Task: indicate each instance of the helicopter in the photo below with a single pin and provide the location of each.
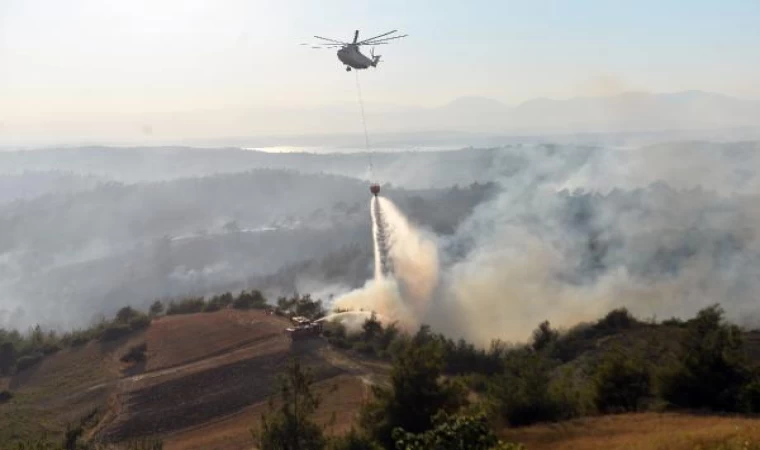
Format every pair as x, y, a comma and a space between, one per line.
349, 53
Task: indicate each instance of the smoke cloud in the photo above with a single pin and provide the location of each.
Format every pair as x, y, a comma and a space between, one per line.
574, 235
382, 296
415, 259
562, 232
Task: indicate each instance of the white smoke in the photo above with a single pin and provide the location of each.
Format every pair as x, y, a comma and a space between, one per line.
352, 320
538, 251
415, 259
402, 296
383, 297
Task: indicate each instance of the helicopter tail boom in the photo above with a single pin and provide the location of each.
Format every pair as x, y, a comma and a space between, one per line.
375, 58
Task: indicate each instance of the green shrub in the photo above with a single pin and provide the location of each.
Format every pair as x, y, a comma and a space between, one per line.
226, 299
77, 338
571, 393
750, 396
28, 361
336, 335
460, 432
522, 393
5, 396
307, 307
157, 308
211, 307
416, 392
617, 319
115, 331
623, 381
544, 336
139, 322
48, 348
477, 382
290, 426
712, 370
135, 354
188, 305
354, 440
126, 314
371, 328
8, 355
218, 302
674, 322
250, 300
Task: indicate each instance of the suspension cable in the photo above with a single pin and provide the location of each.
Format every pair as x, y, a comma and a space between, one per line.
364, 122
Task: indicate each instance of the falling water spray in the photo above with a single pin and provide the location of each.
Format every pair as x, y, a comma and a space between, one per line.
406, 270
382, 242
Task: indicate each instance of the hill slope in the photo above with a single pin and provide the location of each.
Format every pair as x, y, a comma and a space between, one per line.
207, 378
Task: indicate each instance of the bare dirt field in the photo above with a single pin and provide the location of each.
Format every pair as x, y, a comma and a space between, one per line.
192, 399
342, 398
199, 368
180, 339
235, 365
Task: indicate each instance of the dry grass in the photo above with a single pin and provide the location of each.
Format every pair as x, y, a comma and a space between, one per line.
181, 339
648, 431
68, 370
60, 389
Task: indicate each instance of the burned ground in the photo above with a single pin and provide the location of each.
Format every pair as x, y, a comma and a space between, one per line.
187, 401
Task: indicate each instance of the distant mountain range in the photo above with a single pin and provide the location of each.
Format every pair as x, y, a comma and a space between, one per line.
626, 112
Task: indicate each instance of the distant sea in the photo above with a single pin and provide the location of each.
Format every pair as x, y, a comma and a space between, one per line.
323, 150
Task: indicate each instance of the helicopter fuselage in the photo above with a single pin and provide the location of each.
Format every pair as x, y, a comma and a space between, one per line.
352, 57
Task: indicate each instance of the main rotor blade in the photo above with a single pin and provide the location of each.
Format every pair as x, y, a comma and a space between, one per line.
331, 40
383, 40
379, 36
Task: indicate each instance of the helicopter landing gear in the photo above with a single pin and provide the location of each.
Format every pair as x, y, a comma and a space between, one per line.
348, 68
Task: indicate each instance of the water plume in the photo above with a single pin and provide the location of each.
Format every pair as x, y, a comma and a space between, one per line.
574, 234
406, 269
383, 297
381, 241
415, 258
352, 320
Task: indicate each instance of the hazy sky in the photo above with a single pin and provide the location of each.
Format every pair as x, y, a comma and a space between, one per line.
84, 58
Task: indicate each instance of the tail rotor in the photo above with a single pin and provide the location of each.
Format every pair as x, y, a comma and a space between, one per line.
375, 59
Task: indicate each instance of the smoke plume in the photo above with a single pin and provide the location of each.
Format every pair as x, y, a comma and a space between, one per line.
406, 270
650, 233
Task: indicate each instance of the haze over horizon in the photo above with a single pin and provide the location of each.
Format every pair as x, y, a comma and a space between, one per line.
465, 121
607, 155
85, 71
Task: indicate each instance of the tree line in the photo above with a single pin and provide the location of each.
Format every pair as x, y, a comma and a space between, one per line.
614, 365
19, 351
451, 394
